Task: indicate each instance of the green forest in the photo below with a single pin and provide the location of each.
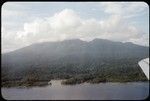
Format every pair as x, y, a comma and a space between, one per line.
91, 71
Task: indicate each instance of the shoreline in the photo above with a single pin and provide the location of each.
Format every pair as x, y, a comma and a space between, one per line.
60, 83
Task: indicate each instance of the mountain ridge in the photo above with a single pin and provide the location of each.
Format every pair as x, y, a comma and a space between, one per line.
77, 40
78, 61
97, 48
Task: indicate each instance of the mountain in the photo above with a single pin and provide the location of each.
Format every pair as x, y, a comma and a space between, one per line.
69, 56
98, 48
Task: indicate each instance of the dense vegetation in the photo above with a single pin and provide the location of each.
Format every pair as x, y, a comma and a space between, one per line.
121, 70
76, 61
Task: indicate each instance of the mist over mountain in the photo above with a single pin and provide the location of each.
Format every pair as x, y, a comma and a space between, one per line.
70, 57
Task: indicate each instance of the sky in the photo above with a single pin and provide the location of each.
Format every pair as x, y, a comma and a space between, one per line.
26, 23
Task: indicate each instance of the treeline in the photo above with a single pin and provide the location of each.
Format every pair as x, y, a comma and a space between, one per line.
92, 71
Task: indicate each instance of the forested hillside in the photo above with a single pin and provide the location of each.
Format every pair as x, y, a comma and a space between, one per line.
75, 60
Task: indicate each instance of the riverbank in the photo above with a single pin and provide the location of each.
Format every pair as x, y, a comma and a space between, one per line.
23, 84
71, 81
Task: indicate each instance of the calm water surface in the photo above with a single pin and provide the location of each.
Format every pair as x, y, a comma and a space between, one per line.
86, 91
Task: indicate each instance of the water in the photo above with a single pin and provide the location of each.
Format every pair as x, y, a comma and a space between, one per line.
86, 91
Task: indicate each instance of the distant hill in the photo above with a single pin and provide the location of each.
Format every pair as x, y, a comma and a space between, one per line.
69, 55
98, 48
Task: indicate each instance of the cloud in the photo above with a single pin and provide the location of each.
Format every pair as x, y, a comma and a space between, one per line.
125, 9
67, 24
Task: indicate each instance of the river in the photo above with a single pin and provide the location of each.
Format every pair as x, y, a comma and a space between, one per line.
85, 91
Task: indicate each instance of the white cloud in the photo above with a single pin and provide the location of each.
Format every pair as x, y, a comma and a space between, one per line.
67, 24
125, 9
65, 19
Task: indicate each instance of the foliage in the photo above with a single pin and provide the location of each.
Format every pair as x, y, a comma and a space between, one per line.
109, 70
